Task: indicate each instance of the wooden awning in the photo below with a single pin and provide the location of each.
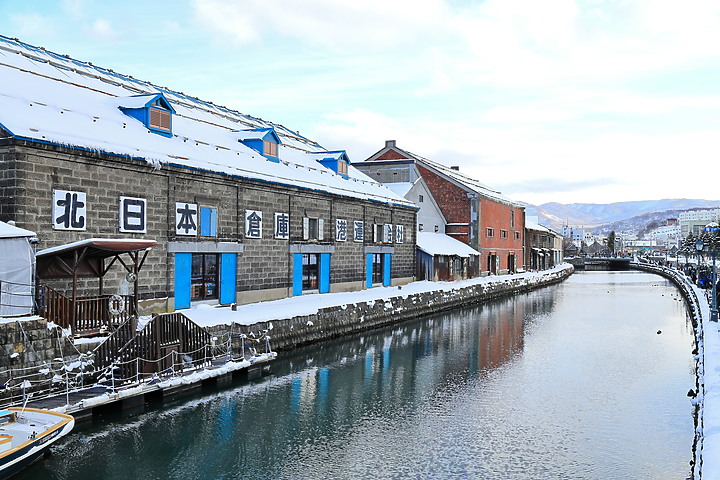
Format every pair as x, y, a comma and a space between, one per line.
85, 258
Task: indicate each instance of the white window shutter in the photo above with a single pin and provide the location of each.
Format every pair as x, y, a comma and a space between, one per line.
320, 229
306, 228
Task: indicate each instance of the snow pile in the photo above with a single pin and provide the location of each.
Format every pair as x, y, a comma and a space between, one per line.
709, 397
250, 314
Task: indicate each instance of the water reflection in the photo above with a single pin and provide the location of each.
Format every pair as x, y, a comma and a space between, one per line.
570, 381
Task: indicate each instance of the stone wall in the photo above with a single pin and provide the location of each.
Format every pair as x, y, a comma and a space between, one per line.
30, 343
29, 172
337, 321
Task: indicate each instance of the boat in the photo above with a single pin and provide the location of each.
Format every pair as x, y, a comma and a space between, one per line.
26, 434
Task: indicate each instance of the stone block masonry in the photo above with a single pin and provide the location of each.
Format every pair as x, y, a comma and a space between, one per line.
337, 321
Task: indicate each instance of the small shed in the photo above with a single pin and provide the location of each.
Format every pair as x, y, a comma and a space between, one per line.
16, 270
442, 258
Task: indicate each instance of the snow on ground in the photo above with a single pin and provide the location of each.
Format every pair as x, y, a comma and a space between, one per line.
709, 349
207, 315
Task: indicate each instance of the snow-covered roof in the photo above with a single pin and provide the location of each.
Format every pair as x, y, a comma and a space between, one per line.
400, 188
441, 244
11, 231
532, 224
451, 173
51, 98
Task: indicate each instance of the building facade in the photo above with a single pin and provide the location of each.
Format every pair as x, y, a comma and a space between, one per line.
543, 246
474, 214
242, 209
693, 221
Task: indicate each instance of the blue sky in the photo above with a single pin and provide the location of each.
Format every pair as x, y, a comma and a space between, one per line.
554, 101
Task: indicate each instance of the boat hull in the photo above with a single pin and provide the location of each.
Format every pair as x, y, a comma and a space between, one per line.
17, 458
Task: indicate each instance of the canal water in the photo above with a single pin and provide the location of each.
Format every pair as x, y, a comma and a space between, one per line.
582, 380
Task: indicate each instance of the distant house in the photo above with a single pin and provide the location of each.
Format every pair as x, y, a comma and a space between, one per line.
242, 209
473, 213
543, 246
442, 258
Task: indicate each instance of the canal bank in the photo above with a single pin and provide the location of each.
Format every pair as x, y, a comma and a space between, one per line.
705, 397
297, 321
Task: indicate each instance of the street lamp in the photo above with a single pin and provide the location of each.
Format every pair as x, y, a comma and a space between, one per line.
710, 243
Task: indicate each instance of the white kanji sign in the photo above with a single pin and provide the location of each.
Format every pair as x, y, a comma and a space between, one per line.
399, 234
186, 218
340, 230
133, 215
69, 210
282, 226
358, 231
253, 224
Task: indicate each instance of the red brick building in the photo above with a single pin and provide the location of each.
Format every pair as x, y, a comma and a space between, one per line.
474, 213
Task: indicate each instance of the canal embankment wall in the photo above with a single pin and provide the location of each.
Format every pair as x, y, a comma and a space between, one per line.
697, 309
336, 321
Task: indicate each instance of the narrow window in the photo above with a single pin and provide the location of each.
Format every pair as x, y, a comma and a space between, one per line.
310, 271
270, 148
503, 234
204, 276
342, 168
208, 222
490, 232
420, 199
159, 119
377, 268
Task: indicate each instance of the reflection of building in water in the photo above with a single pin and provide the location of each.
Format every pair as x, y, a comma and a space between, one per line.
303, 393
501, 335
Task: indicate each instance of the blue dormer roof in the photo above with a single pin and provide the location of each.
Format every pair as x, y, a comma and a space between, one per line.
153, 110
262, 140
335, 160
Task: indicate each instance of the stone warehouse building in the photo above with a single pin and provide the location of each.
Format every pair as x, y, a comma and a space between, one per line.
469, 211
241, 209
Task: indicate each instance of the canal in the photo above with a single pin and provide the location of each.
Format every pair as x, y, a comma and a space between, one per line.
586, 379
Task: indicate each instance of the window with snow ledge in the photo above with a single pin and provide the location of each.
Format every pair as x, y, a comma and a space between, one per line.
152, 110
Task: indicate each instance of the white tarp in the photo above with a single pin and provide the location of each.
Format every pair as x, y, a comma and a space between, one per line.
16, 270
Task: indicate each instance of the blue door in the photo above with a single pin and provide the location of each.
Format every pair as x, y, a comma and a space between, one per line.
368, 270
183, 268
228, 276
297, 274
324, 273
386, 269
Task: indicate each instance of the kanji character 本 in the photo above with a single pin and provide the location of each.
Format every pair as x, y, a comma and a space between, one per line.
186, 218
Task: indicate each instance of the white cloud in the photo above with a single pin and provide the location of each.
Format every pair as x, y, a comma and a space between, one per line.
33, 25
102, 29
334, 24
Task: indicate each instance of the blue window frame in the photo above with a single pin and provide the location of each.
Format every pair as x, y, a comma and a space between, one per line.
208, 222
311, 272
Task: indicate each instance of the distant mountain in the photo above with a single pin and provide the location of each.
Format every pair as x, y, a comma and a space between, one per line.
588, 215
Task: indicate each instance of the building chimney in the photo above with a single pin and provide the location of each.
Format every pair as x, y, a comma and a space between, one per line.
455, 167
389, 143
